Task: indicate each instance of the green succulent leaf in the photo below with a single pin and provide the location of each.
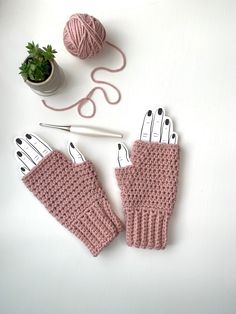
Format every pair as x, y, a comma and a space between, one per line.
37, 66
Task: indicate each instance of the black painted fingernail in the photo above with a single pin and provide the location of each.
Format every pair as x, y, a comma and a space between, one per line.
173, 135
167, 121
22, 169
19, 154
160, 111
28, 136
119, 146
72, 145
149, 113
18, 141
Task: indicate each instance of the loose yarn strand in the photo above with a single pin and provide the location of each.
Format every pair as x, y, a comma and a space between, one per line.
81, 102
84, 36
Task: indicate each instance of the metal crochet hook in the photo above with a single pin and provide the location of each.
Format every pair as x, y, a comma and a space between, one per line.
84, 130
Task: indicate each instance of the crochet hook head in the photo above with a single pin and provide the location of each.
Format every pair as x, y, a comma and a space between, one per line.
85, 130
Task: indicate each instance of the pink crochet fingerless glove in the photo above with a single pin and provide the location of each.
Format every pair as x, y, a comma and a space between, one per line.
74, 196
148, 191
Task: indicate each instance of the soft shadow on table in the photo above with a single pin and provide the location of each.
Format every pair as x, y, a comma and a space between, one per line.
115, 246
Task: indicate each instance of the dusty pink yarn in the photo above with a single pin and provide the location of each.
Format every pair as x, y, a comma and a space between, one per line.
73, 194
84, 35
148, 192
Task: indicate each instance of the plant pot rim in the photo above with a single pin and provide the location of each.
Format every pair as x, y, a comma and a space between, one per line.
43, 82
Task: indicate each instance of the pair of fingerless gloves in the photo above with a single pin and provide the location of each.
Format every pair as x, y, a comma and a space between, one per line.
73, 194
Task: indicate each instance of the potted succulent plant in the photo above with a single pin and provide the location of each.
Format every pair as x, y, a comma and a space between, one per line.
40, 71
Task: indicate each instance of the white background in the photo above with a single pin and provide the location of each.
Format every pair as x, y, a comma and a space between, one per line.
180, 54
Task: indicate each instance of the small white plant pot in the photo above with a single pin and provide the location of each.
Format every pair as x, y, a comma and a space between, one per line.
51, 84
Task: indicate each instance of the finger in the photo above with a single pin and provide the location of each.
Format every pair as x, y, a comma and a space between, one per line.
146, 127
28, 149
123, 156
167, 127
75, 154
25, 160
173, 138
157, 125
24, 170
42, 147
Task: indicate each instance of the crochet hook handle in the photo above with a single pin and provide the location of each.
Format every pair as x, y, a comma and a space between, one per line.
85, 130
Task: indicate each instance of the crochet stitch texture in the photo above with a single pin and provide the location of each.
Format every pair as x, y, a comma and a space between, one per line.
148, 191
74, 196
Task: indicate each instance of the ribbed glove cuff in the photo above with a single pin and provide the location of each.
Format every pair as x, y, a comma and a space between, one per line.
74, 196
146, 228
148, 192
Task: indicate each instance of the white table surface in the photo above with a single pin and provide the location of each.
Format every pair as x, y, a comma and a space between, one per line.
180, 54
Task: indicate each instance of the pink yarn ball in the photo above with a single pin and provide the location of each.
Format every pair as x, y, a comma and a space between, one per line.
84, 35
